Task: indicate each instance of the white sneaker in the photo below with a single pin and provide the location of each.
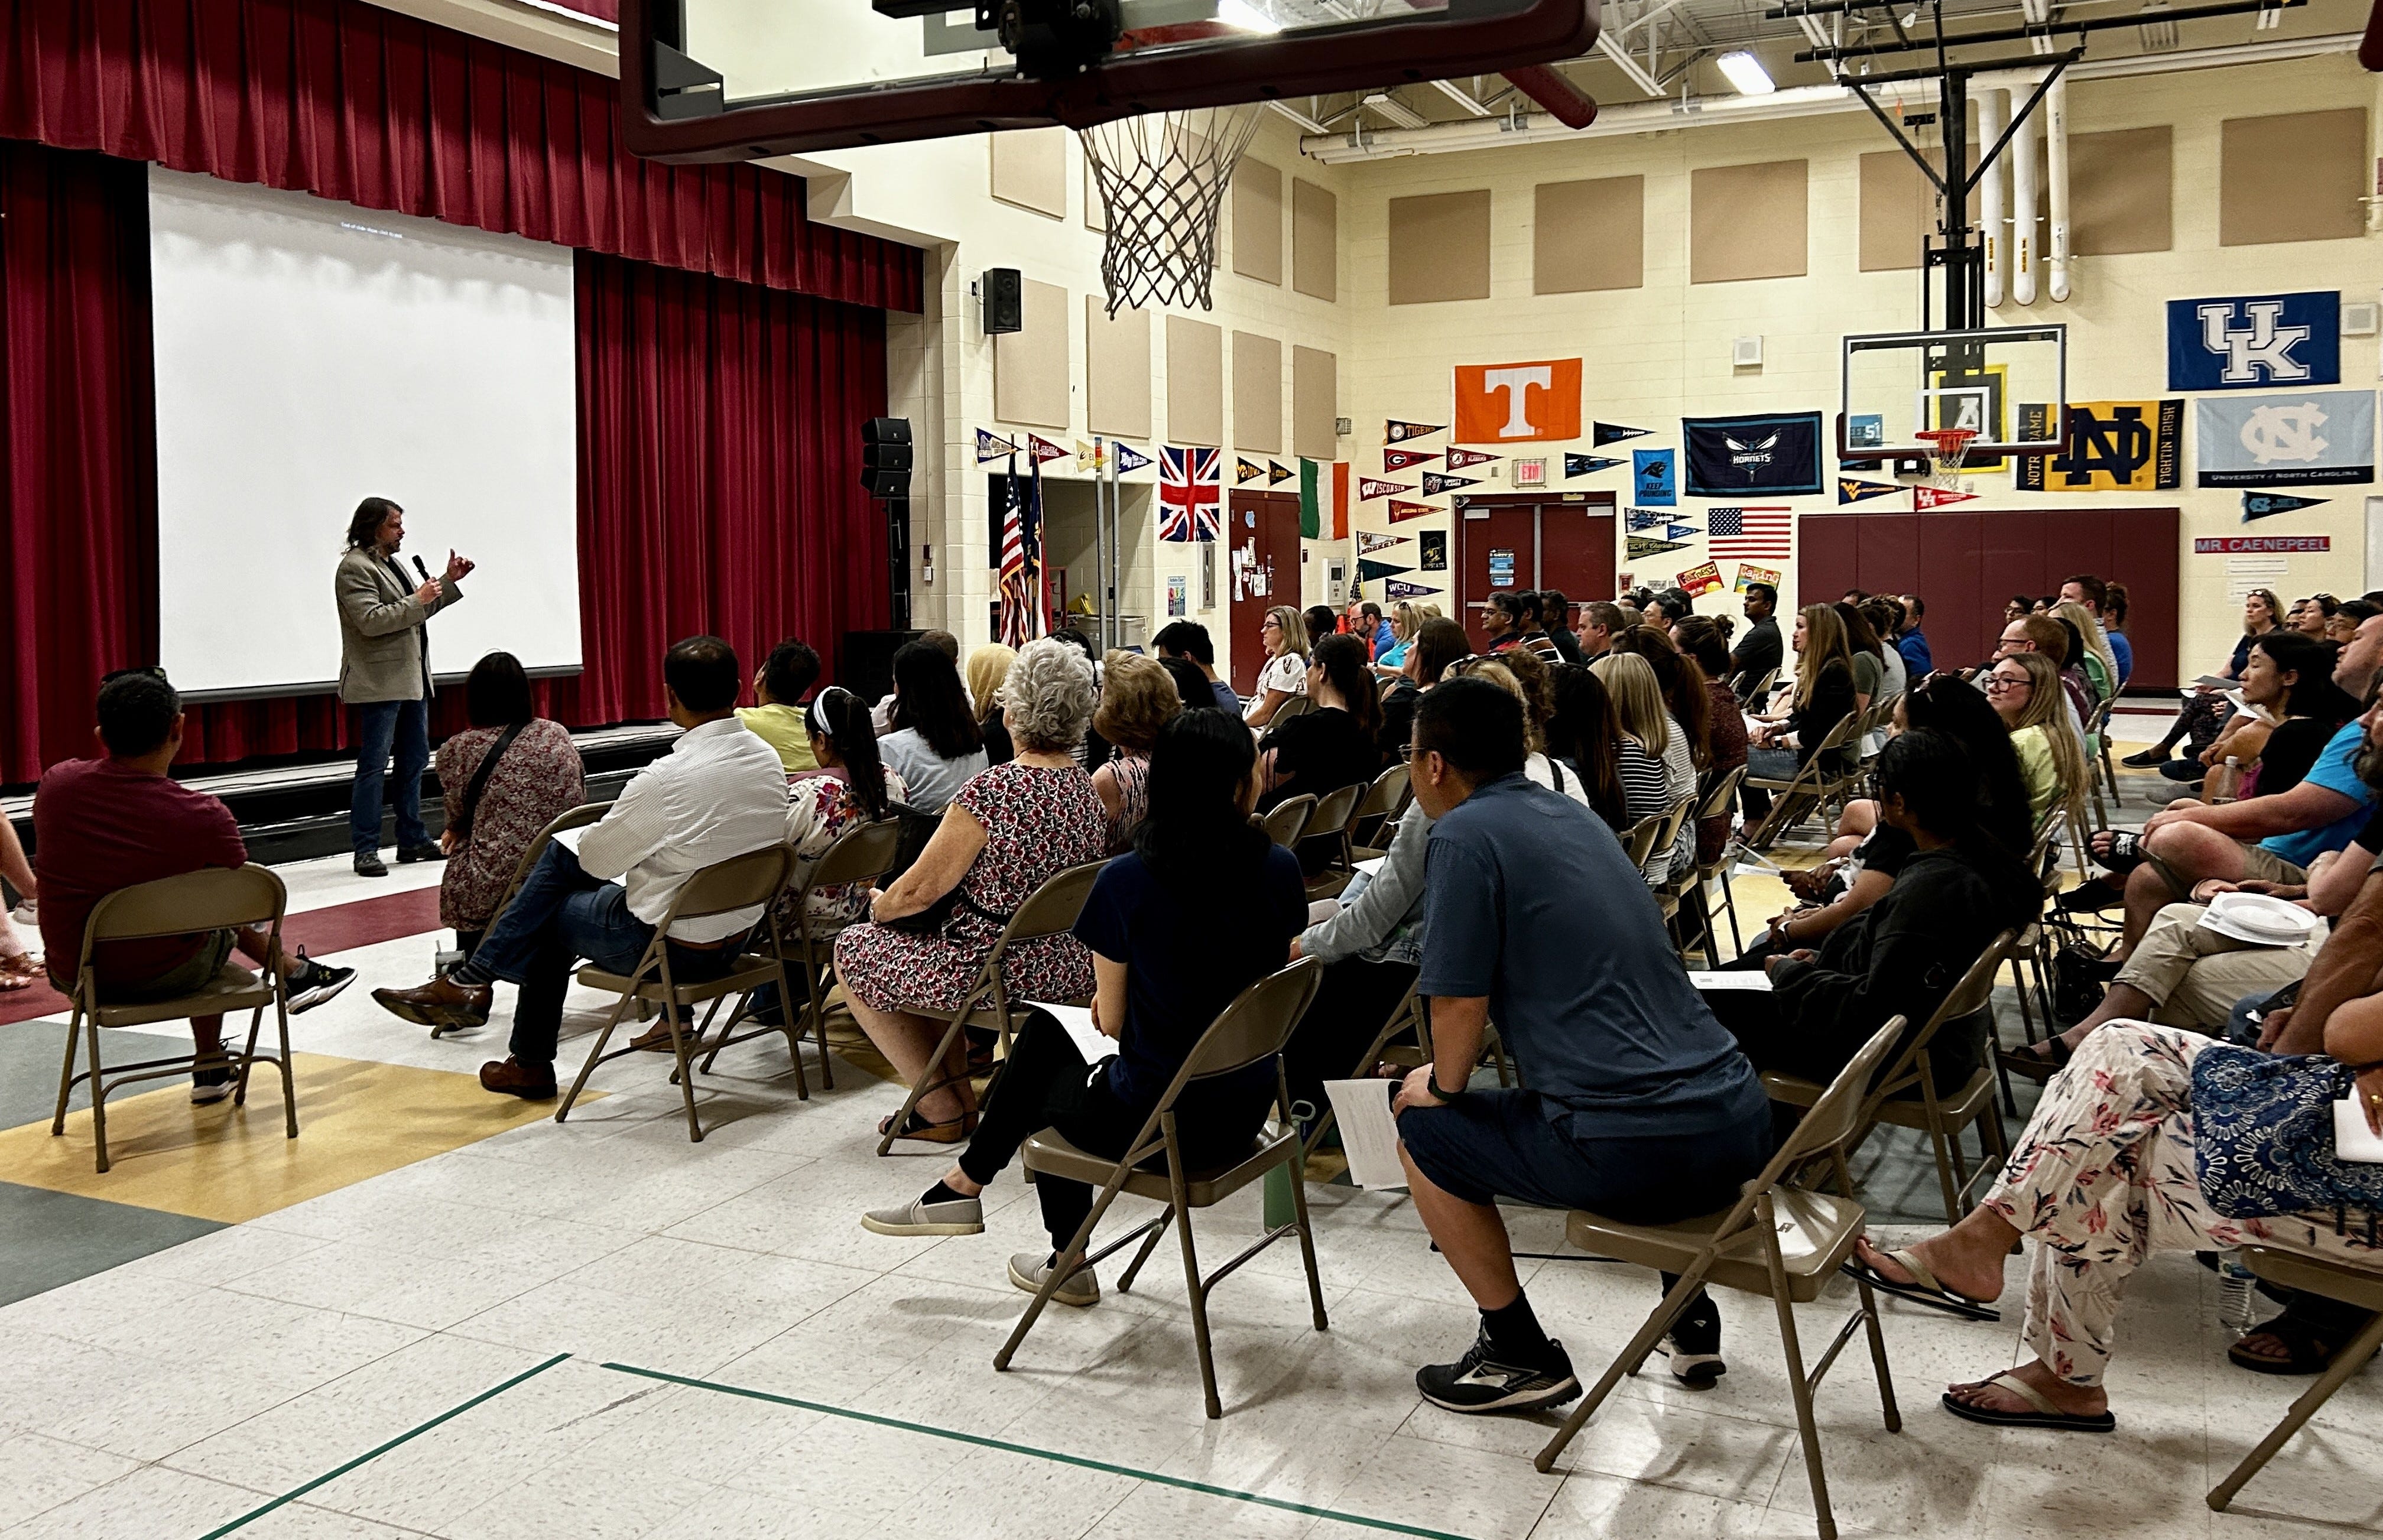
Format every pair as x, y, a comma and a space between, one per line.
1028, 1269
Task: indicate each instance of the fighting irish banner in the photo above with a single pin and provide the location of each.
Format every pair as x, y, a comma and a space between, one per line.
2113, 447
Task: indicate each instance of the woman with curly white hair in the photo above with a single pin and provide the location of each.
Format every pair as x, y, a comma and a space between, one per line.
1009, 830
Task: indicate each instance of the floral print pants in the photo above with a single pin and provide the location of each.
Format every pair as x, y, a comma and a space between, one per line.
2103, 1176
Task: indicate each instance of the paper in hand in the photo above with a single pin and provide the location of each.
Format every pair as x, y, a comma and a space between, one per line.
1077, 1021
1369, 1135
1752, 980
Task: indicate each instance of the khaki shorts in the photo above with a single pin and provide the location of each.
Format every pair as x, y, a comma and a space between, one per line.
2259, 865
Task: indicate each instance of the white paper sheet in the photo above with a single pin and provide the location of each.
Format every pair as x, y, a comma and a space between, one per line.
1749, 979
1372, 868
2352, 1140
1369, 1135
569, 838
1077, 1020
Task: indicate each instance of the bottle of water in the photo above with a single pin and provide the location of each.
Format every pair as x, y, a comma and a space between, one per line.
2235, 1282
2224, 783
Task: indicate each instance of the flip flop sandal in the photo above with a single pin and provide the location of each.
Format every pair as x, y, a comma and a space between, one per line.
2126, 852
2045, 1415
2038, 1061
2307, 1350
1925, 1291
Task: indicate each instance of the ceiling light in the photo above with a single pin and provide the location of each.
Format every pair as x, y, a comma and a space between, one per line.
2156, 30
1746, 72
1249, 18
1397, 112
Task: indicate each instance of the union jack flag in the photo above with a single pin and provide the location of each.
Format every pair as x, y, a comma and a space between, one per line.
1190, 492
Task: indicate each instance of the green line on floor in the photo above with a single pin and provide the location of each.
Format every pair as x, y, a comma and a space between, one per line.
984, 1443
450, 1414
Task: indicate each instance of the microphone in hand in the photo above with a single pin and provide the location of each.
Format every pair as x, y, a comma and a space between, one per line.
428, 592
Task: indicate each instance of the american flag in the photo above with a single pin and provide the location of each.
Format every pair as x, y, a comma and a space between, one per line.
1748, 533
1189, 487
1022, 606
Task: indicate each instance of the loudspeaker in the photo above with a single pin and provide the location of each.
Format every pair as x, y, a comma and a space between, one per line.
1005, 300
885, 457
867, 668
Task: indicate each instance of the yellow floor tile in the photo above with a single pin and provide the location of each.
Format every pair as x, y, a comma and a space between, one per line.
356, 1119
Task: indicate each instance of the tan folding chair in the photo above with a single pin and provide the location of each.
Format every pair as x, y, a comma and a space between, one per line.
570, 817
2334, 1279
862, 854
1779, 1238
1285, 823
213, 898
1667, 838
1330, 821
1384, 801
1297, 705
743, 881
1809, 788
1639, 839
1721, 799
1904, 1096
1049, 910
1251, 1030
1405, 1016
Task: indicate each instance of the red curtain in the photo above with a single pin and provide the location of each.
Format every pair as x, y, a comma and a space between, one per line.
349, 101
719, 474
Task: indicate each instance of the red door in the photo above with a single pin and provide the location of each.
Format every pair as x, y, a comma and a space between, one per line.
1563, 542
1261, 558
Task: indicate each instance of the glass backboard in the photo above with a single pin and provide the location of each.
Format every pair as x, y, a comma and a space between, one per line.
2007, 385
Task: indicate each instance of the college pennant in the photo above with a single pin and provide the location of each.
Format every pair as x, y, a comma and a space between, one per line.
1401, 511
1937, 497
1092, 456
1044, 450
1641, 547
1278, 473
1129, 460
1397, 432
2266, 505
989, 446
1245, 472
1374, 572
1681, 532
1649, 518
1588, 464
1368, 489
1434, 486
1404, 460
1614, 433
1398, 588
1459, 459
1851, 490
1368, 542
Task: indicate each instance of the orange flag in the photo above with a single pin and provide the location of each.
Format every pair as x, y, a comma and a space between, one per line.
1515, 404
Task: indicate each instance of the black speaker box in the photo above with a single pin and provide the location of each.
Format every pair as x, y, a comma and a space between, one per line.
885, 457
1005, 300
867, 666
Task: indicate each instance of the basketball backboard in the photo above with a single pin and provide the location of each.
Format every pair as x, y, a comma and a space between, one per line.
2007, 385
738, 79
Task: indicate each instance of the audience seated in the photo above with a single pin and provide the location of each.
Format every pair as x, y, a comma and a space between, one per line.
1600, 622
1009, 830
1202, 908
2024, 689
533, 775
1653, 744
1530, 681
853, 786
2050, 638
1374, 631
2206, 708
1137, 699
780, 686
1501, 620
1404, 623
988, 670
1319, 621
1702, 640
2289, 682
1885, 618
1189, 640
1910, 640
1823, 697
2339, 627
1585, 737
1757, 653
1370, 941
1437, 644
1336, 744
943, 642
120, 819
935, 745
1868, 655
1282, 634
2089, 648
720, 792
20, 969
1639, 1106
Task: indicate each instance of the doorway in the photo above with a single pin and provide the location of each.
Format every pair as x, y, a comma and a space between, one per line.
1262, 566
1515, 540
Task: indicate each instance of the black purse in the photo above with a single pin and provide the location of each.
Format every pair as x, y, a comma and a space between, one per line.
480, 783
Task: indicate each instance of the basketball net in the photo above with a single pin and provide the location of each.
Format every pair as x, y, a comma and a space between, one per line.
1162, 178
1947, 450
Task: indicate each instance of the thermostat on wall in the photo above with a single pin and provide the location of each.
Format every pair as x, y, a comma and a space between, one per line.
1530, 473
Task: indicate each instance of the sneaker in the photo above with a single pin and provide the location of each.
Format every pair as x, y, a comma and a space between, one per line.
1028, 1269
953, 1216
369, 864
210, 1085
1694, 1346
426, 851
1478, 1382
313, 982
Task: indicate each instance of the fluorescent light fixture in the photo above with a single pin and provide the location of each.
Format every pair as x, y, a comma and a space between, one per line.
1745, 71
1397, 112
1247, 16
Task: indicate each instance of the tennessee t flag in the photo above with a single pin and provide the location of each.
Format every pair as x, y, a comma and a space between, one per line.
1189, 488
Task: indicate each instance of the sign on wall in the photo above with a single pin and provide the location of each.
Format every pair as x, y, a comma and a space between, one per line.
2322, 438
1779, 455
2259, 545
1512, 403
1654, 476
2113, 447
2262, 339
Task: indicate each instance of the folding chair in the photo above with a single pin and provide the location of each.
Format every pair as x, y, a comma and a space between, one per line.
1892, 1099
1285, 823
570, 817
213, 898
1639, 839
1667, 840
2098, 768
1251, 1030
1330, 821
1297, 705
863, 854
1384, 802
754, 879
2334, 1279
1720, 798
1049, 910
1807, 788
1405, 1016
1779, 1238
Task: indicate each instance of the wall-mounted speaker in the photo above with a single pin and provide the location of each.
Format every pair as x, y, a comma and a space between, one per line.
885, 457
1005, 300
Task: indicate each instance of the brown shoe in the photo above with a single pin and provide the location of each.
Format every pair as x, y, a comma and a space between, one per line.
510, 1076
440, 1002
656, 1039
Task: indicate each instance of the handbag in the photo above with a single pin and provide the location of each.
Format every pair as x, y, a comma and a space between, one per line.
2262, 1136
479, 782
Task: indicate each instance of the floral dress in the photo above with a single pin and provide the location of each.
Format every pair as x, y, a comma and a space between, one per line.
539, 777
819, 808
1132, 769
1038, 822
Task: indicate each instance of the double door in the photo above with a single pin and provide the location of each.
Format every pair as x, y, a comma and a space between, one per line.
1562, 540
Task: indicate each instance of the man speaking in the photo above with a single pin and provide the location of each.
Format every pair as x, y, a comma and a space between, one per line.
385, 674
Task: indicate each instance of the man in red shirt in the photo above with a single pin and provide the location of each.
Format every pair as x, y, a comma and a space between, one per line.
119, 821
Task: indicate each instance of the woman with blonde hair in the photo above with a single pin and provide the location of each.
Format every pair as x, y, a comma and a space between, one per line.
1823, 697
1405, 623
1519, 672
1654, 748
1138, 697
1282, 633
2024, 690
2100, 663
988, 670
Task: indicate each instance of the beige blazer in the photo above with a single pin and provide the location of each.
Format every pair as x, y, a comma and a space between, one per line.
384, 651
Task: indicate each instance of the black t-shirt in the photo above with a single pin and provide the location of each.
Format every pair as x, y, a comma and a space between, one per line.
1757, 653
2371, 837
1321, 752
1398, 718
2290, 750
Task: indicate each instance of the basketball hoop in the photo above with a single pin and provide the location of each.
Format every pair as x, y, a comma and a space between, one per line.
1162, 178
1947, 448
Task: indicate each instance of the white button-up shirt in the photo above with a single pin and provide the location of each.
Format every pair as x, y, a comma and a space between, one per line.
720, 792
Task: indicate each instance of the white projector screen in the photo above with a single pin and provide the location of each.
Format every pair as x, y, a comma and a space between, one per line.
310, 354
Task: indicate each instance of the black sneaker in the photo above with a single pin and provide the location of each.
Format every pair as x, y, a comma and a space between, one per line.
369, 864
1478, 1382
312, 983
2146, 759
1694, 1346
426, 851
211, 1084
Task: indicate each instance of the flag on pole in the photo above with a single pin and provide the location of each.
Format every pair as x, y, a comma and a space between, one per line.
1191, 485
1020, 585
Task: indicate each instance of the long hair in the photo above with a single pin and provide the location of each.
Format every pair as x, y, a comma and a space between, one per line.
1824, 643
988, 670
364, 525
1931, 773
1681, 679
1638, 700
1440, 643
2048, 707
926, 696
1860, 635
1342, 659
1290, 629
1583, 731
1196, 839
840, 718
1948, 703
2275, 609
2313, 694
2089, 636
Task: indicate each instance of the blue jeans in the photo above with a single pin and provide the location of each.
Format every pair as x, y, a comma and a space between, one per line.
379, 724
562, 914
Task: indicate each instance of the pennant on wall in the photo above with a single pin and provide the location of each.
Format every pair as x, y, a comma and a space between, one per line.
1092, 456
1436, 486
1641, 547
1398, 588
1435, 551
1851, 490
1368, 489
1402, 460
1459, 459
1372, 572
1129, 459
1777, 454
1401, 511
1614, 433
1245, 472
992, 447
1397, 432
1043, 448
2114, 447
1588, 464
1368, 542
1681, 532
1937, 497
2266, 505
1649, 518
1700, 580
1277, 473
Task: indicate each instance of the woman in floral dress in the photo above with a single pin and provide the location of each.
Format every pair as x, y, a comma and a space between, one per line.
1138, 697
851, 787
539, 777
1009, 830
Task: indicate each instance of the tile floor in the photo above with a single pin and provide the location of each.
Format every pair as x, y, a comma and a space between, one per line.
597, 1330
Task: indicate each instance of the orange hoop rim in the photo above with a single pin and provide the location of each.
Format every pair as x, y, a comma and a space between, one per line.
1947, 442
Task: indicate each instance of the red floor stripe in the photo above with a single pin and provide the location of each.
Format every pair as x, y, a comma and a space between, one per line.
338, 927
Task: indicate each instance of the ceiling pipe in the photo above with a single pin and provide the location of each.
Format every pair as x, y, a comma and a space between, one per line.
1638, 118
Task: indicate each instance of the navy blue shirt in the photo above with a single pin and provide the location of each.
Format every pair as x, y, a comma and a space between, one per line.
1530, 901
1225, 699
1182, 968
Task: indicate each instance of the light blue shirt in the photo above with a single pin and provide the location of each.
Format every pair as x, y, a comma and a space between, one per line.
2337, 770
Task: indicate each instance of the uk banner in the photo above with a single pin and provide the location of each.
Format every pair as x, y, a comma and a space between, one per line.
1189, 488
2259, 339
2321, 438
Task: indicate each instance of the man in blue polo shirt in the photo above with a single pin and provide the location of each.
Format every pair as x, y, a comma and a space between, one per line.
2271, 838
1639, 1105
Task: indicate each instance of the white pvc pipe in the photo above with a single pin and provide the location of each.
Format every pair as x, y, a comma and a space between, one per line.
2056, 129
1991, 107
2023, 209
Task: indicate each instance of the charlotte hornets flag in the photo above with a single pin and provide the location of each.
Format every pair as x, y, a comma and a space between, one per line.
2321, 438
1777, 455
2260, 340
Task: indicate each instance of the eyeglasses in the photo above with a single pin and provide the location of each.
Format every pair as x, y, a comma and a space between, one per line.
2004, 681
